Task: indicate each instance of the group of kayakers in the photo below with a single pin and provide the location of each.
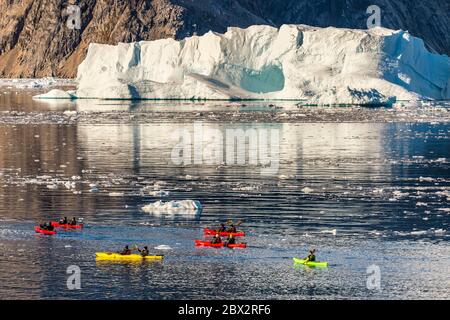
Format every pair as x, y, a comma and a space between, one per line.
230, 232
231, 238
127, 251
47, 226
217, 239
223, 228
50, 226
72, 222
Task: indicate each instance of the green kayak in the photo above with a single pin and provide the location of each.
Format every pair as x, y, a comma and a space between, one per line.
310, 263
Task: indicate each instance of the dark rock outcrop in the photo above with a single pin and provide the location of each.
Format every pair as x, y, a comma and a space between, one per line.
35, 40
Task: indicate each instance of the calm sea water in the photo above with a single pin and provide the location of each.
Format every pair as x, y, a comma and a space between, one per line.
362, 194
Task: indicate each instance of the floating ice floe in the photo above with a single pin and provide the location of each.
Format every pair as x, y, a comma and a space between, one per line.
174, 206
333, 232
70, 113
398, 193
116, 194
163, 247
307, 190
55, 94
426, 179
286, 177
70, 185
429, 232
245, 188
159, 193
421, 204
418, 233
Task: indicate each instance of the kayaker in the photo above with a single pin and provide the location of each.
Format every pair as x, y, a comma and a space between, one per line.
216, 239
231, 239
311, 256
144, 252
232, 229
74, 221
222, 228
63, 221
50, 227
126, 251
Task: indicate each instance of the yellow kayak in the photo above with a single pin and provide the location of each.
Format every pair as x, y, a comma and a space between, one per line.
310, 263
118, 256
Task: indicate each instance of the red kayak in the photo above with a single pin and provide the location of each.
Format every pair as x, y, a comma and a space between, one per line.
200, 243
211, 232
43, 231
67, 225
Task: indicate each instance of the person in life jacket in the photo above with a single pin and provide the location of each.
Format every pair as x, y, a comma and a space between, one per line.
231, 239
216, 239
49, 226
126, 251
311, 256
144, 252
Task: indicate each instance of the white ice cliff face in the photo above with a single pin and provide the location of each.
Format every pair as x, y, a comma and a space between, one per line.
318, 65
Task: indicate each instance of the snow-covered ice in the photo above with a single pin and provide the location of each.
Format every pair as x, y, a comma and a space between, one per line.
116, 194
163, 247
316, 65
307, 190
33, 83
55, 94
333, 232
178, 206
159, 193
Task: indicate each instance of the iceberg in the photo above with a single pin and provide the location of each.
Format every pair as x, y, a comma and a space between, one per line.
295, 62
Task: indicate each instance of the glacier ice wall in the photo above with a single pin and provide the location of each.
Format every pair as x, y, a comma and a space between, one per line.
318, 65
